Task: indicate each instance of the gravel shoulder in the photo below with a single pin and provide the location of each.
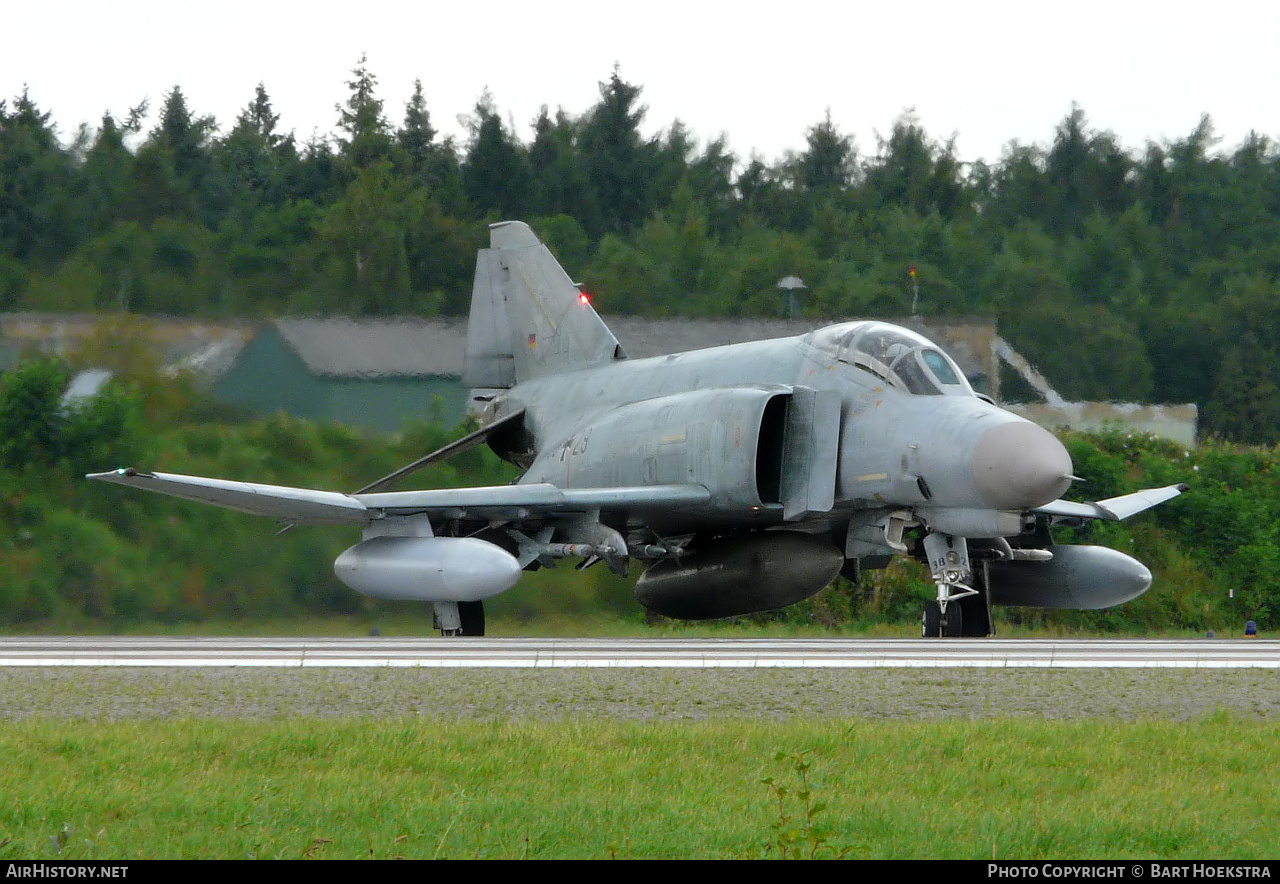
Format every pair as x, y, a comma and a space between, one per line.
635, 694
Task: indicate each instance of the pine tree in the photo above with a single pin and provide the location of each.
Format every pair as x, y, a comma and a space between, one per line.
106, 175
619, 162
416, 138
1086, 172
175, 169
368, 136
184, 136
710, 177
256, 157
829, 162
496, 172
560, 182
35, 185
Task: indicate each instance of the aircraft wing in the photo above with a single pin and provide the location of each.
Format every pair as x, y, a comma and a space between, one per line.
300, 505
1113, 509
307, 506
521, 501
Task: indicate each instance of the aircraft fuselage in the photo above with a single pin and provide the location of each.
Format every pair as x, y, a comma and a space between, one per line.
720, 417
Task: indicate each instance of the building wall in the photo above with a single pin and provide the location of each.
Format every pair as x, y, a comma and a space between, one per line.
269, 376
388, 404
1174, 422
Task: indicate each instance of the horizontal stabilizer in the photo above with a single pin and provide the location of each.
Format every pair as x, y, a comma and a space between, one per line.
1113, 509
300, 505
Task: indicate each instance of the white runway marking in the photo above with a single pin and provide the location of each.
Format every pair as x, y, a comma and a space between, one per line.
640, 653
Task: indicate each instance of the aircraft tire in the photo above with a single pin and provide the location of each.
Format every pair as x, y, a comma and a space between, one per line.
954, 627
472, 615
931, 621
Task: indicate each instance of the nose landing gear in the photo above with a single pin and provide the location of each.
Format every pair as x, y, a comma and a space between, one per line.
948, 558
937, 622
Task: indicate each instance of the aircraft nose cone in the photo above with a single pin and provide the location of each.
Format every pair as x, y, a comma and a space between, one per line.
1019, 466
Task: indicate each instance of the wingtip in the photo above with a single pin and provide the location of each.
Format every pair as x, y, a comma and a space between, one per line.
120, 472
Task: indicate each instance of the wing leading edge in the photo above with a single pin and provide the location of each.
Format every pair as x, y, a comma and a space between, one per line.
308, 506
301, 505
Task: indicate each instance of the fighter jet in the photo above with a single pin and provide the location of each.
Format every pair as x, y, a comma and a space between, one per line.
739, 479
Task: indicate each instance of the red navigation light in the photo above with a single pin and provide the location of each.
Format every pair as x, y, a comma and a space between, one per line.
584, 298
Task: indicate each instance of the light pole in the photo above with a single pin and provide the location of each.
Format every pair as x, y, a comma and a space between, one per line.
790, 285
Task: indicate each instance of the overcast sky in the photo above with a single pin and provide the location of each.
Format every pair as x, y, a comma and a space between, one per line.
986, 71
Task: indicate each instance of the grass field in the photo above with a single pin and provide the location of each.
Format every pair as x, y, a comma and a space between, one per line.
974, 764
582, 788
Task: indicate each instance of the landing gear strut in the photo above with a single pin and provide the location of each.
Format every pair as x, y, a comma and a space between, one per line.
948, 558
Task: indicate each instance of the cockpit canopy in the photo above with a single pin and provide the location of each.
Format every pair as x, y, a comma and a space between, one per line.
902, 358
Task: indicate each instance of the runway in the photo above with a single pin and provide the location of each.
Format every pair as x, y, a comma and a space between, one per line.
681, 653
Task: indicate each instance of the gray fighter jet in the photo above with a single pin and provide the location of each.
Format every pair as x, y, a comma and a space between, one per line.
741, 478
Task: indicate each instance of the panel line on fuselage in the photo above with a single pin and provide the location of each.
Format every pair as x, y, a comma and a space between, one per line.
563, 403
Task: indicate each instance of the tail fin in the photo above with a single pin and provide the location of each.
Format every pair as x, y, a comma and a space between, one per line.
528, 319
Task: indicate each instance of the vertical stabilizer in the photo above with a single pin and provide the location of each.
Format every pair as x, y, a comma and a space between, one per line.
527, 316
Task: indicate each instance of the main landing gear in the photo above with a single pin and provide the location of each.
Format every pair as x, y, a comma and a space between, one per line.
459, 618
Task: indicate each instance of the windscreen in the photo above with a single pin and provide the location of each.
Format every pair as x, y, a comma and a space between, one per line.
894, 354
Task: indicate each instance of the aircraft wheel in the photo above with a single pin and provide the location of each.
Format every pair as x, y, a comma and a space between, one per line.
954, 625
472, 614
931, 621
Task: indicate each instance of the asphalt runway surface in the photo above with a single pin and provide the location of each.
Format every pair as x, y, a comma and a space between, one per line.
683, 653
646, 680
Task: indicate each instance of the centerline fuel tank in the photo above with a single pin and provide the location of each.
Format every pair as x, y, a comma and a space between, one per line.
737, 575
